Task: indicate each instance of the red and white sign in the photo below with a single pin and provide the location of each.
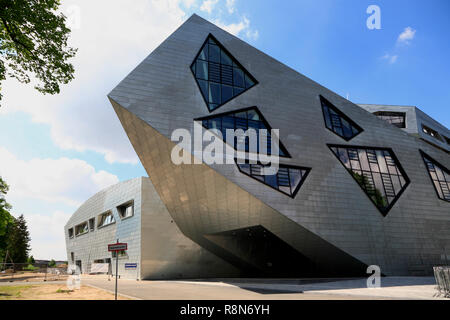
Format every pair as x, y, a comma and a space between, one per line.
117, 246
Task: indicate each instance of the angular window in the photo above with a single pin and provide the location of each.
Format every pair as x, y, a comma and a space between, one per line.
287, 180
105, 219
377, 171
91, 224
71, 233
126, 210
432, 133
395, 118
247, 118
219, 76
82, 228
440, 176
338, 122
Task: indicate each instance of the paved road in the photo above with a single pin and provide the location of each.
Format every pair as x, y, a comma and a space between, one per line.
241, 289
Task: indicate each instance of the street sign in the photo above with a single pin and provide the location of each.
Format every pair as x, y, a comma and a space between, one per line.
130, 265
117, 246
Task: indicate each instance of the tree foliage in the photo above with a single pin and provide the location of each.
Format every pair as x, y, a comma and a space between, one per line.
18, 241
33, 41
5, 216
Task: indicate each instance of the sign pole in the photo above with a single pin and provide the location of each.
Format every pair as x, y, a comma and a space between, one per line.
117, 269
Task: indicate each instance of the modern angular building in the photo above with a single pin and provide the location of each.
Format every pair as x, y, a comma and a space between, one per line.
351, 191
132, 212
414, 121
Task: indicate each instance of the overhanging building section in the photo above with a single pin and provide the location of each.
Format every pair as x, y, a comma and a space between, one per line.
329, 226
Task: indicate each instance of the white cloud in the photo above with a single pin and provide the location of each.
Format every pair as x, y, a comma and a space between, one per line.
47, 235
66, 181
390, 58
406, 36
239, 27
188, 3
231, 6
112, 37
208, 5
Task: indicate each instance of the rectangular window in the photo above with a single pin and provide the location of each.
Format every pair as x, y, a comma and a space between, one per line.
126, 210
395, 118
105, 219
80, 229
432, 133
71, 233
91, 224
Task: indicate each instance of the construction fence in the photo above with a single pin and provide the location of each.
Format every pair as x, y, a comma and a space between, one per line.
442, 276
27, 272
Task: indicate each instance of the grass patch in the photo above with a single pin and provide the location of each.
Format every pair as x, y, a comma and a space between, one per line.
63, 291
8, 292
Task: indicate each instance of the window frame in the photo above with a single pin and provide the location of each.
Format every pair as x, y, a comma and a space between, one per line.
102, 214
288, 166
379, 114
261, 117
79, 225
436, 163
432, 133
91, 228
234, 62
384, 212
124, 206
341, 114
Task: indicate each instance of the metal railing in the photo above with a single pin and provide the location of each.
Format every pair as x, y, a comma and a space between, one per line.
442, 276
26, 272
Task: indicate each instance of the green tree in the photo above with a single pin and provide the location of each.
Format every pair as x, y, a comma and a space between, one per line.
52, 264
31, 260
6, 219
18, 241
33, 41
373, 192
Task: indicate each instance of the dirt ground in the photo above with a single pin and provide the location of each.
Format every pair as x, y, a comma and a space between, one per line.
53, 292
31, 277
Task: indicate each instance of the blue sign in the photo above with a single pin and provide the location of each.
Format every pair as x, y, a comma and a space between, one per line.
130, 265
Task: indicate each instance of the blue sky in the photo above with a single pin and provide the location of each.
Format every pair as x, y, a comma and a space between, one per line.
56, 151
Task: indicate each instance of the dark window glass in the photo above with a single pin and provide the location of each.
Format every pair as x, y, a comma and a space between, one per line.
439, 175
203, 53
376, 171
214, 53
215, 65
227, 92
202, 70
249, 118
287, 180
395, 118
338, 122
238, 77
225, 59
214, 92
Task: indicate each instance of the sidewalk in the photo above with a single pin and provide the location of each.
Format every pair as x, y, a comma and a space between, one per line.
275, 289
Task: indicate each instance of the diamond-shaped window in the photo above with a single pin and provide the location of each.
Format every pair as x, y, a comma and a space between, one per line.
287, 180
440, 176
377, 171
338, 122
219, 75
247, 118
